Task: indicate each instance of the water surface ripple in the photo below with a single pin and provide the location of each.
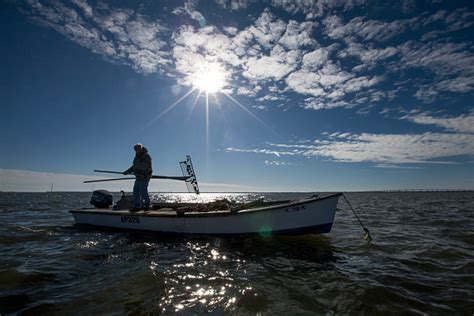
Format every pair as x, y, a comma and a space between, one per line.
421, 261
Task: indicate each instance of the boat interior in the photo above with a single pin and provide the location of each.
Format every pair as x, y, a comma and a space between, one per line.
218, 205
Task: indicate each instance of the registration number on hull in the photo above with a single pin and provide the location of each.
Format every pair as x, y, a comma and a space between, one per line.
130, 219
295, 209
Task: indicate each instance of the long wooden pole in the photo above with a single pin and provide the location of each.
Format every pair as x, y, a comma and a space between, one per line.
103, 180
152, 177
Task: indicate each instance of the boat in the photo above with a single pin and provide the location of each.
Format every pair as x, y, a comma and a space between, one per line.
314, 215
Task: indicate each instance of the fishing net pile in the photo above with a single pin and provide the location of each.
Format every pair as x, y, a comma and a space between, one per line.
218, 205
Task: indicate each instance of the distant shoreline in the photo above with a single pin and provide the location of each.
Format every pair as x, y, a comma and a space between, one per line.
266, 192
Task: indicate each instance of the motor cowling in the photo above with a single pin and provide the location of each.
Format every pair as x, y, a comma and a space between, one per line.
102, 199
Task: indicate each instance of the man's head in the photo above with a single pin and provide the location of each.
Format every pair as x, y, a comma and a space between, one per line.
138, 148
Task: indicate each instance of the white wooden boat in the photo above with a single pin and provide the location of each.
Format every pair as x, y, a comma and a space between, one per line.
311, 215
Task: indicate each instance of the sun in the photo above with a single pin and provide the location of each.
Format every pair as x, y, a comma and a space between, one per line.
209, 78
206, 78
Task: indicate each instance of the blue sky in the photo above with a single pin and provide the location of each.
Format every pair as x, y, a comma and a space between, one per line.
264, 95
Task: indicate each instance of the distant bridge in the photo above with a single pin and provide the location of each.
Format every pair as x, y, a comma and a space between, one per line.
424, 190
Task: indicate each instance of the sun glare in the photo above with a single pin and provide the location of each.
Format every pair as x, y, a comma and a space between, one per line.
206, 80
210, 78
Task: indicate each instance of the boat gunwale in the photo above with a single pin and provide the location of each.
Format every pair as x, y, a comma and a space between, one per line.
201, 214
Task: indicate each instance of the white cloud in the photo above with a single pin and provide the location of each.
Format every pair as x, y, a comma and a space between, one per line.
441, 58
267, 67
448, 63
277, 163
196, 48
246, 91
319, 104
357, 84
267, 29
460, 124
298, 35
305, 82
259, 53
369, 56
206, 41
316, 59
341, 69
451, 66
327, 83
241, 52
315, 8
190, 8
459, 19
331, 74
230, 30
235, 4
120, 35
277, 153
378, 148
396, 148
365, 30
268, 50
271, 97
388, 166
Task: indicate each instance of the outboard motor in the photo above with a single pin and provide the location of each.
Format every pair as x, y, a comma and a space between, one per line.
102, 198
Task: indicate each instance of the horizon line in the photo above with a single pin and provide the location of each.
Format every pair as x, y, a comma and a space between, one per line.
330, 191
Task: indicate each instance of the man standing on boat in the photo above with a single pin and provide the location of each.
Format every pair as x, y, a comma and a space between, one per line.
142, 170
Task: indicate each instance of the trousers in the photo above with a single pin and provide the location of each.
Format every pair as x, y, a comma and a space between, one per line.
140, 193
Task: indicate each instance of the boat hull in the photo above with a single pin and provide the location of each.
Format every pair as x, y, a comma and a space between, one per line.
314, 215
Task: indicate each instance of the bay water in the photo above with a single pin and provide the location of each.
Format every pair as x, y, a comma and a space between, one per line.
420, 261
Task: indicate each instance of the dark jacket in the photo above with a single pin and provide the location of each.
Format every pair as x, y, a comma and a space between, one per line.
141, 165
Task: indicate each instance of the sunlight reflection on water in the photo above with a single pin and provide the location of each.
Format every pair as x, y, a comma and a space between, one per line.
201, 282
202, 198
